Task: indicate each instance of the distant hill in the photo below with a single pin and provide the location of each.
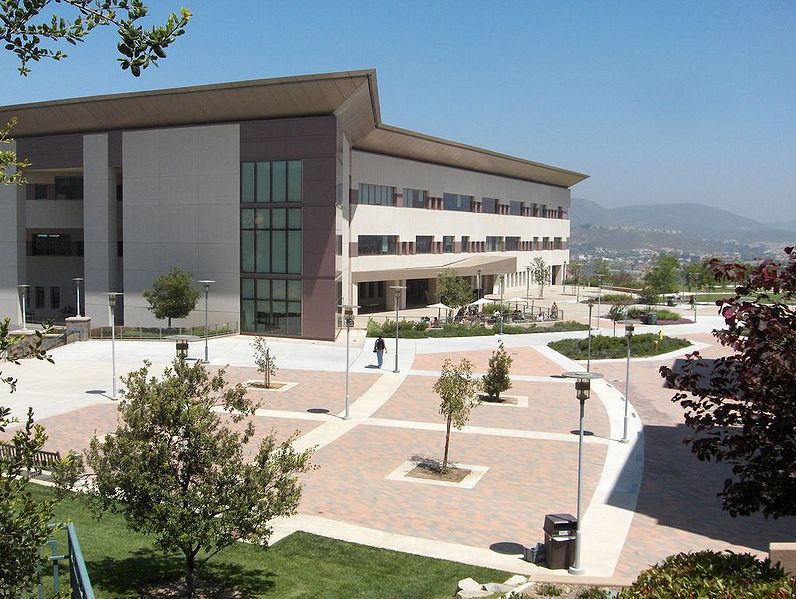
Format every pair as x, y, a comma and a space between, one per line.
688, 218
677, 227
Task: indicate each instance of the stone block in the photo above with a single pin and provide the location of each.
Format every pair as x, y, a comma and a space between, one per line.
496, 587
517, 579
468, 584
472, 594
785, 554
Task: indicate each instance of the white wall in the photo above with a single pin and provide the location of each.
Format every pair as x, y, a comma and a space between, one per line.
181, 208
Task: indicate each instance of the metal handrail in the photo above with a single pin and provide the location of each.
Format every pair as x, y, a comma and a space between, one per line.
159, 333
79, 581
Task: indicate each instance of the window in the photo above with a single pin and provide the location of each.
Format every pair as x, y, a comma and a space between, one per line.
271, 306
270, 240
339, 245
489, 205
52, 244
415, 198
39, 191
465, 243
512, 244
515, 208
493, 244
69, 188
38, 294
424, 244
447, 244
458, 202
278, 181
376, 245
55, 297
379, 195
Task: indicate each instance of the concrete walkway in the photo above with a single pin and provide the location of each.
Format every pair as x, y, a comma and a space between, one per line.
529, 452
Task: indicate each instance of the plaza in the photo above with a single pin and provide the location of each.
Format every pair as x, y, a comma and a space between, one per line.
644, 500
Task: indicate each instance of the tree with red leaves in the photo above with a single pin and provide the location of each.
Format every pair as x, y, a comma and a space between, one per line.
742, 407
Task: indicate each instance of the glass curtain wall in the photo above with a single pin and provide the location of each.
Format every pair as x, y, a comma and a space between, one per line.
271, 247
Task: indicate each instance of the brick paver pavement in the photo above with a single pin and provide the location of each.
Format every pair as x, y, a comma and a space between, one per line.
527, 361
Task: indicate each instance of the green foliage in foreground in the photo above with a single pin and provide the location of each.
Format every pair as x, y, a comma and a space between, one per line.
712, 574
120, 562
603, 346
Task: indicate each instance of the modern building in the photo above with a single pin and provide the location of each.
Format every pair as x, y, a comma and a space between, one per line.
289, 193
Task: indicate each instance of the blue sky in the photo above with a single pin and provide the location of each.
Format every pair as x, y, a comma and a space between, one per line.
658, 101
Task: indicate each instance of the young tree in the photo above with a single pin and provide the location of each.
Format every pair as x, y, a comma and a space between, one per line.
742, 407
172, 295
617, 313
454, 291
459, 393
496, 380
174, 470
541, 274
10, 166
265, 360
662, 278
23, 519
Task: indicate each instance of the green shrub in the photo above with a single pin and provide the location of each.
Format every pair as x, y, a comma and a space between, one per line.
548, 590
406, 330
618, 298
549, 327
593, 593
712, 574
491, 308
421, 326
663, 314
604, 347
451, 329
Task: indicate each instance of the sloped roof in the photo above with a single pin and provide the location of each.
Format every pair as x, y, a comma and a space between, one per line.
352, 96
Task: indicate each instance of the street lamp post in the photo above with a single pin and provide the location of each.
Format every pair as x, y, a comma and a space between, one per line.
23, 291
206, 283
398, 290
77, 281
502, 282
588, 361
564, 280
112, 296
480, 291
583, 390
599, 298
528, 286
629, 334
348, 322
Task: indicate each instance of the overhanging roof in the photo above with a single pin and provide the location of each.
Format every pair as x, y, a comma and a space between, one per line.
465, 267
352, 96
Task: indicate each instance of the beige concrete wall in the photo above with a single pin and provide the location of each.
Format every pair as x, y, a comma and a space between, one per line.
181, 208
785, 555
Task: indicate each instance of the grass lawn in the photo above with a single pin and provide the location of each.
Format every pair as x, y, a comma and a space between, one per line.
120, 562
605, 347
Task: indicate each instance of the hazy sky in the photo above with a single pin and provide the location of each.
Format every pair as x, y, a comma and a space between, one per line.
657, 101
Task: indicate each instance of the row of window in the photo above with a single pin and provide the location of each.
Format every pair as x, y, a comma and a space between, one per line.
39, 294
379, 245
271, 182
271, 243
385, 195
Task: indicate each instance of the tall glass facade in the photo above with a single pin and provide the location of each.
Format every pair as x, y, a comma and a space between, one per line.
271, 247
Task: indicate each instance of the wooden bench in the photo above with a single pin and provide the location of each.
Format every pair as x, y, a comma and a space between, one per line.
41, 460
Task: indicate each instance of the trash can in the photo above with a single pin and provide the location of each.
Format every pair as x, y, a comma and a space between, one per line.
559, 540
671, 302
652, 318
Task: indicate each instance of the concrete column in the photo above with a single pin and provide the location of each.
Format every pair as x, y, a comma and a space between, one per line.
13, 255
99, 227
390, 299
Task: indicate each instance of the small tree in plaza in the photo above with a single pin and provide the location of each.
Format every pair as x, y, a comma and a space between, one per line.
459, 393
616, 313
265, 360
175, 471
454, 291
172, 295
541, 274
496, 380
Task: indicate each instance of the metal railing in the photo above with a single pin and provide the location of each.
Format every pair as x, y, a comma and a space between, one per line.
79, 582
215, 330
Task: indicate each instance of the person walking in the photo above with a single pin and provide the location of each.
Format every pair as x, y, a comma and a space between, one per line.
379, 348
